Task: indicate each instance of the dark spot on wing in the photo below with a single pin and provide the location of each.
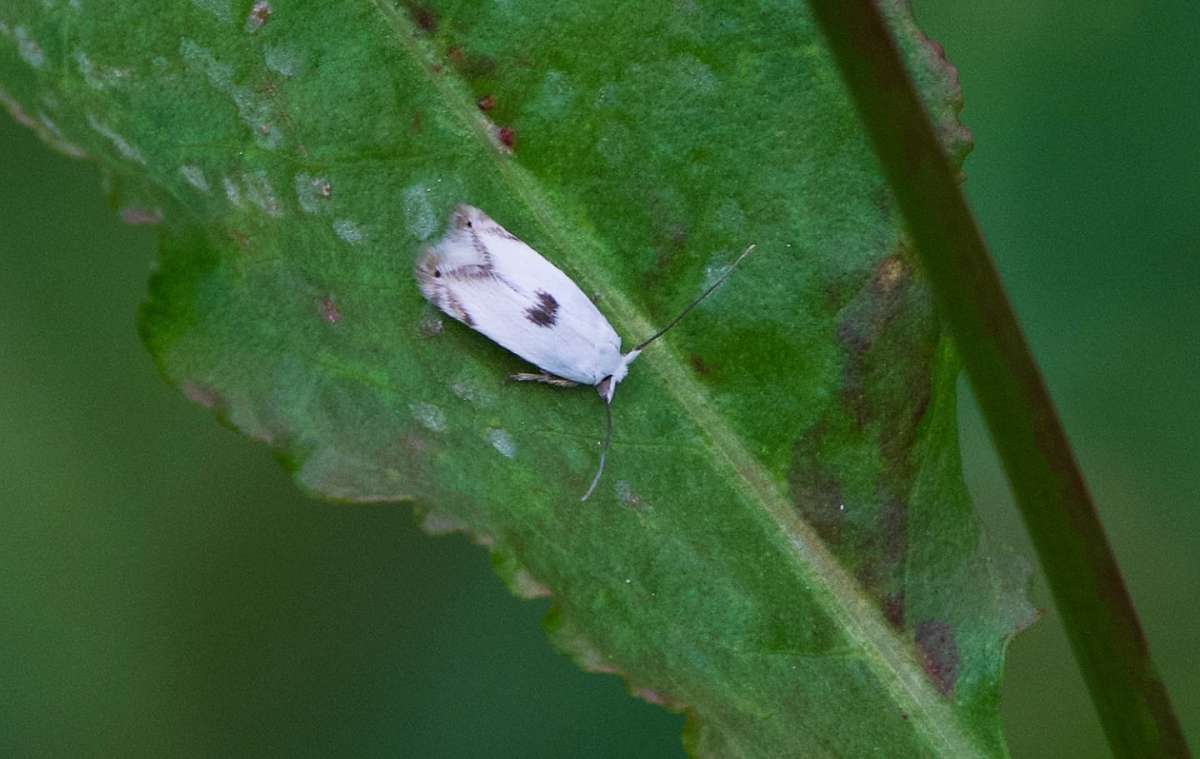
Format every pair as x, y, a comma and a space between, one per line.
480, 246
457, 310
544, 313
500, 231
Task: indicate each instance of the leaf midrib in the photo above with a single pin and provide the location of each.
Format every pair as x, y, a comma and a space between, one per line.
887, 655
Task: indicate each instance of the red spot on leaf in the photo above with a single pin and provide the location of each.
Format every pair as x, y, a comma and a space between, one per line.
507, 137
939, 654
329, 310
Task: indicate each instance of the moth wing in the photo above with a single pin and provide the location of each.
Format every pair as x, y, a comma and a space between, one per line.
487, 278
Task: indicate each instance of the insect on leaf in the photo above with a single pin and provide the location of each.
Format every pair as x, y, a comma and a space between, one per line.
782, 545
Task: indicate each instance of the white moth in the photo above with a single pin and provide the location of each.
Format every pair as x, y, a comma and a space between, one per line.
485, 277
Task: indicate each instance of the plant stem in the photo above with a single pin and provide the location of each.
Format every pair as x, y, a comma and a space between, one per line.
1105, 634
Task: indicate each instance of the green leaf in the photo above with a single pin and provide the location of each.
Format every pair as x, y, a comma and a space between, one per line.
782, 545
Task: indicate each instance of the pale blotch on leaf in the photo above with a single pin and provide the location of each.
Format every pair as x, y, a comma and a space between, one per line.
473, 391
231, 191
311, 192
253, 108
429, 416
714, 272
260, 193
200, 393
526, 586
694, 78
285, 61
626, 495
418, 213
194, 176
430, 325
28, 48
348, 231
436, 523
555, 94
502, 442
96, 76
57, 140
606, 96
44, 129
120, 143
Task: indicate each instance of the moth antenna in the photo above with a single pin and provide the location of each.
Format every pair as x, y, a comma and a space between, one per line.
603, 452
696, 302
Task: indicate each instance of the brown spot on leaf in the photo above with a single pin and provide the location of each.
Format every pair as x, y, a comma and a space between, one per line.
939, 654
816, 489
700, 366
415, 125
886, 331
486, 103
893, 609
240, 238
469, 64
423, 17
883, 546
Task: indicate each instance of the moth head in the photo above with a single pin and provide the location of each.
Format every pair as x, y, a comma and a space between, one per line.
469, 217
429, 269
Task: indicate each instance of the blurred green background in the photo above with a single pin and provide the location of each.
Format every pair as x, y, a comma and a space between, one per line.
167, 591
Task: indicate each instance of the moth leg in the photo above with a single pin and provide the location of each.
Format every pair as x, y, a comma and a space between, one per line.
549, 379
